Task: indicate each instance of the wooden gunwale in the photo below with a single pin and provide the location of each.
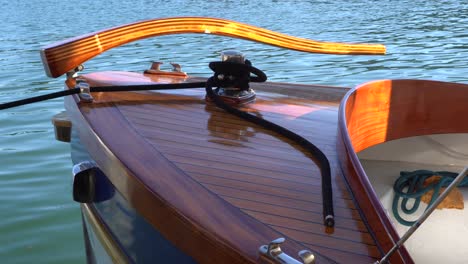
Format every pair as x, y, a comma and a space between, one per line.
381, 111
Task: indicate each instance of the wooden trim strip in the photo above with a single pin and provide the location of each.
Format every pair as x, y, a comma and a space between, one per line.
66, 55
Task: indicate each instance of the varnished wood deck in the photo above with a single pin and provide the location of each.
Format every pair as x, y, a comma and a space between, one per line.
216, 184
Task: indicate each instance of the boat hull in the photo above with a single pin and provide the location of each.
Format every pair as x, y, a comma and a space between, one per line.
217, 187
114, 232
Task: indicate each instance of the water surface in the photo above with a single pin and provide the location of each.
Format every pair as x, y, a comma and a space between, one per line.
39, 221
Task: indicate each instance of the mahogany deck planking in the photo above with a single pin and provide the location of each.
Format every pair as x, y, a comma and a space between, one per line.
249, 175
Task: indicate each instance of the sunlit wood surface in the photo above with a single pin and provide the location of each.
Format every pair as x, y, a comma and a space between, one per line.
227, 186
66, 55
382, 111
386, 110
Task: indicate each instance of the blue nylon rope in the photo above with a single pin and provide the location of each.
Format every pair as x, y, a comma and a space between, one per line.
409, 186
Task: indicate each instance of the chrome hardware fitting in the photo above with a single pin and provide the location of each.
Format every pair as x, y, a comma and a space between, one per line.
74, 73
307, 256
233, 55
273, 253
82, 167
84, 182
85, 94
176, 67
233, 95
156, 65
155, 69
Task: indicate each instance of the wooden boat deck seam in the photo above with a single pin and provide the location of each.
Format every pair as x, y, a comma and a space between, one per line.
304, 231
309, 221
338, 213
248, 166
222, 148
214, 145
314, 245
228, 123
225, 121
224, 152
282, 187
303, 181
244, 169
260, 176
190, 124
221, 135
371, 248
236, 140
318, 221
239, 160
293, 213
279, 196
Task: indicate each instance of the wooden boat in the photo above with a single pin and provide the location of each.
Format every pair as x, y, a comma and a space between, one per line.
167, 176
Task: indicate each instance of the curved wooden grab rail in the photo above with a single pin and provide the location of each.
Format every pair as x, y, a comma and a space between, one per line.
61, 57
385, 110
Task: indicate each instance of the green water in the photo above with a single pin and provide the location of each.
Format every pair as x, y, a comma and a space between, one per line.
39, 222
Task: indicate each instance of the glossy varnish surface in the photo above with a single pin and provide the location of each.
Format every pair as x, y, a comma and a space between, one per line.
386, 110
61, 57
231, 181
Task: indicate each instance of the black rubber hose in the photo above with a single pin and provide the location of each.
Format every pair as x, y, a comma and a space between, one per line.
328, 215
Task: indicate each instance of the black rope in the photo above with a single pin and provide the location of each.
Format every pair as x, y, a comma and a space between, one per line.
234, 74
39, 98
123, 88
328, 214
146, 87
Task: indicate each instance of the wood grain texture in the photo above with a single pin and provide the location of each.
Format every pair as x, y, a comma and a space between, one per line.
66, 55
381, 111
391, 109
181, 209
214, 183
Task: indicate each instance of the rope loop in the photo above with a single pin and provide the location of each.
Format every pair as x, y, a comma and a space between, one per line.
410, 187
235, 74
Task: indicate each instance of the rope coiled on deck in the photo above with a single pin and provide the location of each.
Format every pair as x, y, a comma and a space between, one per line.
410, 186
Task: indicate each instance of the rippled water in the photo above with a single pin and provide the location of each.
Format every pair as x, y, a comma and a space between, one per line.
39, 222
